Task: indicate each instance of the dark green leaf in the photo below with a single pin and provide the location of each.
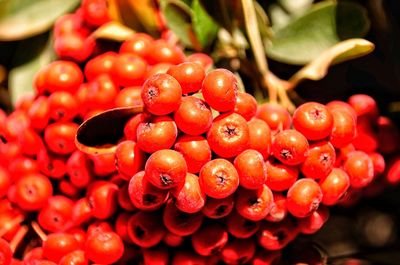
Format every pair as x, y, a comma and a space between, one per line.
20, 19
31, 55
178, 16
203, 25
325, 25
225, 12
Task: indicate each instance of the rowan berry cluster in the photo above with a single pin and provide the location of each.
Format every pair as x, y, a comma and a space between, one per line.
202, 175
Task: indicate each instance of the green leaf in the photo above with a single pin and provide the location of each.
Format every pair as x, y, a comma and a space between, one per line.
225, 12
20, 19
179, 18
31, 55
326, 24
343, 51
203, 25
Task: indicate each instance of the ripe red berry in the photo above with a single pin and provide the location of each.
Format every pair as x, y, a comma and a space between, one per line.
138, 44
228, 135
62, 106
95, 12
76, 257
259, 136
193, 116
189, 75
101, 64
6, 254
254, 204
166, 169
39, 113
241, 227
360, 169
364, 105
145, 229
246, 105
238, 251
102, 196
56, 214
128, 70
210, 239
129, 159
129, 97
161, 94
320, 160
344, 128
156, 134
313, 120
290, 147
201, 58
218, 178
33, 191
276, 116
179, 222
218, 208
160, 51
251, 169
303, 197
57, 245
62, 76
195, 151
334, 186
278, 210
280, 176
60, 137
220, 90
144, 195
314, 222
104, 247
275, 236
189, 198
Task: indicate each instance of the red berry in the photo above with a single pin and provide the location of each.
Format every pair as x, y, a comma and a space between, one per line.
276, 116
101, 64
344, 128
246, 105
320, 160
166, 169
241, 227
254, 204
62, 106
62, 76
60, 137
228, 135
275, 236
313, 120
334, 186
251, 169
129, 159
360, 169
179, 222
314, 222
95, 12
145, 229
57, 245
104, 247
6, 254
129, 97
128, 70
138, 44
189, 198
290, 147
56, 214
189, 75
102, 196
210, 239
218, 208
160, 51
220, 90
76, 257
278, 210
33, 191
259, 136
161, 94
303, 197
280, 176
218, 178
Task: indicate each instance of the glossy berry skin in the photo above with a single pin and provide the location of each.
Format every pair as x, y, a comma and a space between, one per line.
312, 223
39, 113
95, 12
33, 191
344, 128
144, 195
251, 169
138, 44
129, 97
259, 136
56, 214
303, 197
334, 186
360, 169
275, 236
195, 151
104, 247
290, 147
179, 222
62, 76
218, 208
228, 135
280, 176
193, 116
189, 198
145, 229
218, 178
62, 106
161, 94
60, 137
128, 70
6, 254
220, 90
189, 75
129, 159
246, 105
278, 210
209, 239
59, 244
130, 129
276, 116
313, 120
101, 64
156, 134
102, 196
160, 51
201, 58
240, 227
5, 182
166, 169
238, 251
364, 105
320, 160
254, 204
76, 257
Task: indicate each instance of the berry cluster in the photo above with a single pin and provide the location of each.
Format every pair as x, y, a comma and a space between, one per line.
202, 175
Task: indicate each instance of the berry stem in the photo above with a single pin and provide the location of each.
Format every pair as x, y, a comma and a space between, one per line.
38, 230
19, 236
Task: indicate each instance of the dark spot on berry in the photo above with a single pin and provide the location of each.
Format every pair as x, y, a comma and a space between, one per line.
286, 154
215, 250
166, 180
149, 199
317, 114
139, 232
324, 158
242, 260
253, 201
230, 131
3, 139
221, 177
280, 235
220, 210
249, 225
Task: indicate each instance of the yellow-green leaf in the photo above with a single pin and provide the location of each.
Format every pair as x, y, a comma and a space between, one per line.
343, 51
20, 19
113, 30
